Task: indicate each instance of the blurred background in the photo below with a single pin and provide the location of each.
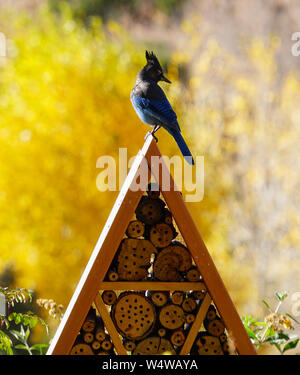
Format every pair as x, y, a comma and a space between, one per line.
64, 102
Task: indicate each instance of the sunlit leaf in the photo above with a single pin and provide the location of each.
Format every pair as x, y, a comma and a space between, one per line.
290, 345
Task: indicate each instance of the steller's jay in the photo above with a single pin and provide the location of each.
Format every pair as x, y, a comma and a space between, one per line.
152, 105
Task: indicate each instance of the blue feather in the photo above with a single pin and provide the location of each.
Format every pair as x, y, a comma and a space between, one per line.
159, 112
183, 146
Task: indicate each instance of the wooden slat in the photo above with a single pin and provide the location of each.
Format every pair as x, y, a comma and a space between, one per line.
101, 258
109, 325
151, 285
196, 325
201, 255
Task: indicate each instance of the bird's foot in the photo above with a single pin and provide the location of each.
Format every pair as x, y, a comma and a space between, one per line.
151, 133
156, 139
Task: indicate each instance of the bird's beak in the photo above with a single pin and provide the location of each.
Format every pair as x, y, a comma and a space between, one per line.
163, 78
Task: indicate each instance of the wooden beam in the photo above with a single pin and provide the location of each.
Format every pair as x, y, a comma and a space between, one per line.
196, 325
102, 256
109, 325
199, 252
151, 285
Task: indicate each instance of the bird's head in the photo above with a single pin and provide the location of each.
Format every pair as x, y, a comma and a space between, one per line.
153, 69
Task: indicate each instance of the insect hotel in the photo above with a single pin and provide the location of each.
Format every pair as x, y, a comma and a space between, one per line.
150, 286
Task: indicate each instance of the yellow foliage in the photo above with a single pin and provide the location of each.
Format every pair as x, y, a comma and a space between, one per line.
64, 101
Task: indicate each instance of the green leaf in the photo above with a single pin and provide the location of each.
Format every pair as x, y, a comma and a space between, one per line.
16, 334
261, 324
33, 321
17, 319
249, 320
10, 317
20, 346
267, 305
9, 350
270, 333
27, 333
40, 347
283, 336
290, 345
281, 295
43, 323
251, 334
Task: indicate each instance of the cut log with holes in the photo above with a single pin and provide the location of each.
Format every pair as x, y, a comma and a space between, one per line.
168, 219
211, 313
134, 258
206, 344
100, 334
81, 349
153, 190
159, 298
161, 235
150, 211
135, 229
179, 249
190, 318
90, 321
215, 327
154, 346
96, 345
113, 275
189, 305
198, 294
99, 330
223, 337
88, 337
129, 345
178, 337
106, 345
226, 347
171, 316
193, 274
109, 297
177, 297
134, 315
171, 261
165, 267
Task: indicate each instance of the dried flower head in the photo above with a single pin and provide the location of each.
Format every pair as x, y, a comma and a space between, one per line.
277, 322
273, 320
54, 310
285, 321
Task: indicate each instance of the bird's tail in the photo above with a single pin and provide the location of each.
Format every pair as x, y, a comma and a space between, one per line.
183, 146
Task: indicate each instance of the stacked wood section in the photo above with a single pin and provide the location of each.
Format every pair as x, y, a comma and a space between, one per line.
168, 318
93, 338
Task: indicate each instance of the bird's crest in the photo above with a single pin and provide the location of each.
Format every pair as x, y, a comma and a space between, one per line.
152, 59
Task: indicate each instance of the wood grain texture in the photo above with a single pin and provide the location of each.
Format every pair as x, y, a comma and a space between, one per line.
151, 285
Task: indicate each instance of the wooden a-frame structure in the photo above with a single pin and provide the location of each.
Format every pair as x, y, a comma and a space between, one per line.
92, 279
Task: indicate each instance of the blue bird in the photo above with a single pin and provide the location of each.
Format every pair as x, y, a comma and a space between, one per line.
152, 106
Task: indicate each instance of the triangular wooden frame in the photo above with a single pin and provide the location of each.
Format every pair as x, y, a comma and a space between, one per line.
87, 290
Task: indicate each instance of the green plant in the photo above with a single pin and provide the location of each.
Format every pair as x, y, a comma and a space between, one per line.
12, 339
274, 330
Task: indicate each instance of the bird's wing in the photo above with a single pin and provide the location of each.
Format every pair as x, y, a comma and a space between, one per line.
159, 109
